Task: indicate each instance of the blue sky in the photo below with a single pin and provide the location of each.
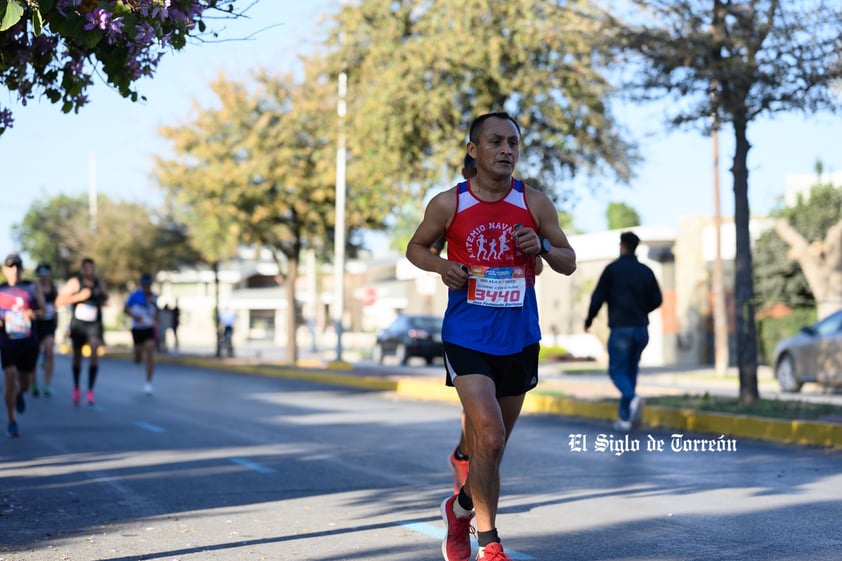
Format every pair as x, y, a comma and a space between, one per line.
47, 153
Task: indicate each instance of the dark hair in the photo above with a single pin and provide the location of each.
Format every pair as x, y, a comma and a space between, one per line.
629, 240
43, 269
479, 122
145, 278
469, 162
87, 260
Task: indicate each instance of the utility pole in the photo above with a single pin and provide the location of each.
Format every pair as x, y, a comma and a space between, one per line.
720, 313
338, 307
92, 192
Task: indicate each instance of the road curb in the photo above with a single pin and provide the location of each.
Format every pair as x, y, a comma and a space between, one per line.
802, 432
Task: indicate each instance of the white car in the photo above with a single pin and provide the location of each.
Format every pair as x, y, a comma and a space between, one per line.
814, 354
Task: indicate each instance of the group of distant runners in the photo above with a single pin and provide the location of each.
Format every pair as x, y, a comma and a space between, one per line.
29, 320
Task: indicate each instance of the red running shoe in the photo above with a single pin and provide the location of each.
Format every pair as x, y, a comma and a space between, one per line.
456, 545
90, 397
493, 552
460, 471
76, 394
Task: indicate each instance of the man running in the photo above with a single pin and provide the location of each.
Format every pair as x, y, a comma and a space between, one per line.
20, 301
460, 457
490, 329
46, 329
142, 307
86, 294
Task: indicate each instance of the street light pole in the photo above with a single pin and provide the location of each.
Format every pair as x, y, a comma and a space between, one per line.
92, 192
339, 235
720, 314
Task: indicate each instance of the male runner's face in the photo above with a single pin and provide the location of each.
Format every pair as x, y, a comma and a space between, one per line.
12, 274
498, 149
88, 270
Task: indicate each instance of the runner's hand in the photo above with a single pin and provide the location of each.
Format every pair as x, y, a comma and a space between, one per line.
456, 275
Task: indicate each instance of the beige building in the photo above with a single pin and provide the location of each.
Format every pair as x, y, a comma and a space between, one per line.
380, 287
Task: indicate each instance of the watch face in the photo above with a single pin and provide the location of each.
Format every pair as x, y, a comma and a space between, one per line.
546, 246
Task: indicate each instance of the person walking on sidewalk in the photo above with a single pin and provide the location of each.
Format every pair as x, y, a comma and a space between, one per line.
142, 307
631, 291
20, 303
496, 227
86, 294
45, 327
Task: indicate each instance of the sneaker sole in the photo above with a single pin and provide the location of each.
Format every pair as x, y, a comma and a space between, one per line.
443, 511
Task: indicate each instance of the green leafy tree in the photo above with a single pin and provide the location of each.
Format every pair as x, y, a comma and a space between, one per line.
126, 239
778, 279
262, 166
621, 215
735, 61
419, 72
53, 47
56, 231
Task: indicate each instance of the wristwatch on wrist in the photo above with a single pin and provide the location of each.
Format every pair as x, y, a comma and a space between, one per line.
546, 246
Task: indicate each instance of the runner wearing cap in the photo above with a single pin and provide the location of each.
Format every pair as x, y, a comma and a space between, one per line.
20, 302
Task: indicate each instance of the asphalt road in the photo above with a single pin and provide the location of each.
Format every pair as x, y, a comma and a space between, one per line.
222, 466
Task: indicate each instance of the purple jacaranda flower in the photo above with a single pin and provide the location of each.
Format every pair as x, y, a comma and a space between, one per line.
97, 19
162, 10
77, 66
145, 33
115, 29
6, 119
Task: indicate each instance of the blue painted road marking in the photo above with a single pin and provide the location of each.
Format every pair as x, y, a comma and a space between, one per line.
150, 427
254, 466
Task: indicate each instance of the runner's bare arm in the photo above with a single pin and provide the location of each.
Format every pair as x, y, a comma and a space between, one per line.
69, 293
437, 216
562, 257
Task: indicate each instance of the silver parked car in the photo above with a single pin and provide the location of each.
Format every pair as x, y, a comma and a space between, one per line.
814, 354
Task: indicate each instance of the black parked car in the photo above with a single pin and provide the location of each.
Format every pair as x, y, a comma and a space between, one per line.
409, 336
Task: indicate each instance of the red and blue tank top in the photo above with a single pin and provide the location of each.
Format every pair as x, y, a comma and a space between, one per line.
496, 312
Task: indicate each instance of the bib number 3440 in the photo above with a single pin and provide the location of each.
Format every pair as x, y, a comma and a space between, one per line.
498, 293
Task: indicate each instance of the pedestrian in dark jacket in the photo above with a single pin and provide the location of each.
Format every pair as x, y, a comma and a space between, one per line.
630, 290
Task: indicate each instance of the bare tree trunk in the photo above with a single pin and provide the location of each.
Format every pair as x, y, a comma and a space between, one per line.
292, 311
821, 263
743, 281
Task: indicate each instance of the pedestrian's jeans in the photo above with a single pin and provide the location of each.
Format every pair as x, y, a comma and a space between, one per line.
625, 345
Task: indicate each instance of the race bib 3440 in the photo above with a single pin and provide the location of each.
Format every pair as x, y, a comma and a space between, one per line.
497, 287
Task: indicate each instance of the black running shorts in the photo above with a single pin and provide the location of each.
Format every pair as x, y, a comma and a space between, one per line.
142, 334
22, 358
81, 333
513, 374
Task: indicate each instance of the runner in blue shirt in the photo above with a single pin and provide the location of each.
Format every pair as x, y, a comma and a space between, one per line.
142, 307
